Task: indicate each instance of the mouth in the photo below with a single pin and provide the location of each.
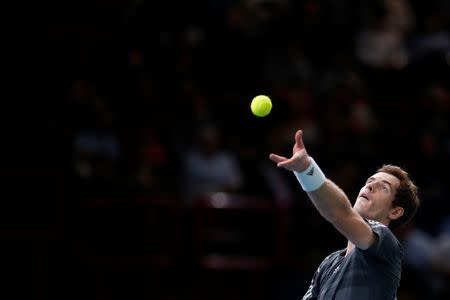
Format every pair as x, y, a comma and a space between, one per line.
364, 196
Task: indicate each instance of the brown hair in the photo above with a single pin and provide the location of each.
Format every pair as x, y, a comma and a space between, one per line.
405, 197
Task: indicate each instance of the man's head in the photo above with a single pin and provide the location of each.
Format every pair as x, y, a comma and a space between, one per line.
389, 196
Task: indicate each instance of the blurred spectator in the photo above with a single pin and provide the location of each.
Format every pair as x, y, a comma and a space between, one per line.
399, 16
150, 170
302, 113
340, 73
83, 101
428, 258
288, 65
382, 44
436, 102
431, 37
430, 142
190, 45
96, 150
208, 166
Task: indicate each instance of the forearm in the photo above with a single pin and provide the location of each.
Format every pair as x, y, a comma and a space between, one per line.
326, 196
335, 207
330, 201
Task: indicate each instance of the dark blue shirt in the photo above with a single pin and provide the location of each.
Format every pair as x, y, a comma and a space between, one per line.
371, 274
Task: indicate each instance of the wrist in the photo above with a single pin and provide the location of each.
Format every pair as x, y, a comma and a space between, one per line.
311, 178
304, 165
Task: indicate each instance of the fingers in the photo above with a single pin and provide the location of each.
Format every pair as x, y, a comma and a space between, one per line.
299, 139
287, 164
282, 162
277, 158
299, 153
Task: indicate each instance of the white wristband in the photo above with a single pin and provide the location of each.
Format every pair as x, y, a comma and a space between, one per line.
312, 178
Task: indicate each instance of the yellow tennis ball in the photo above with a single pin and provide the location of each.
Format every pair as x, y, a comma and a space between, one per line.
261, 106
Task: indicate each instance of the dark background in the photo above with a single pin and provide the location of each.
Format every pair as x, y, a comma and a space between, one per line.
367, 82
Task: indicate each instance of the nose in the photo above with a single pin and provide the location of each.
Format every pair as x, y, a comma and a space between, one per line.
370, 187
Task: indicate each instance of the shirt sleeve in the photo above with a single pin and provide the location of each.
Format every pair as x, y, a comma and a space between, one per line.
313, 290
311, 293
387, 247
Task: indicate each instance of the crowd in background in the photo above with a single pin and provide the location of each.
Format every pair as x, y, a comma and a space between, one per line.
153, 99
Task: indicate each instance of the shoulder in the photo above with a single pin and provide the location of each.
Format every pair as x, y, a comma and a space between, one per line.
381, 230
373, 223
330, 257
387, 245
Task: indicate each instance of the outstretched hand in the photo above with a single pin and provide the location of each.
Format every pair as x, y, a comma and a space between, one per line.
299, 160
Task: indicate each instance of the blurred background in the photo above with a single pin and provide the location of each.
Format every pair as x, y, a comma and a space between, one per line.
142, 173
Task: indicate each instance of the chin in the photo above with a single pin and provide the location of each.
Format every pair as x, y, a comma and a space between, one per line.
361, 212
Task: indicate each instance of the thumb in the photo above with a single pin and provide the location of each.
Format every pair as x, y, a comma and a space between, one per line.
299, 139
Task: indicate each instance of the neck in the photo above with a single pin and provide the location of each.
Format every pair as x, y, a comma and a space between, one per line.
350, 248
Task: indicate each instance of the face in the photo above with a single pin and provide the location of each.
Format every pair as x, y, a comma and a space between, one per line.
375, 198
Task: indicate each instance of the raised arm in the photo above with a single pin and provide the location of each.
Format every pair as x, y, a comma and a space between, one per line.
327, 197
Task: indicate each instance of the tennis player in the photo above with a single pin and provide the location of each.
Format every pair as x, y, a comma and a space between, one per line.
370, 266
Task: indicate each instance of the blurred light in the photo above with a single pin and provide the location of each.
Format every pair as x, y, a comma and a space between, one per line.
219, 200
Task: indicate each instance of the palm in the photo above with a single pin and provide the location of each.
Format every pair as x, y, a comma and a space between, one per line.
299, 160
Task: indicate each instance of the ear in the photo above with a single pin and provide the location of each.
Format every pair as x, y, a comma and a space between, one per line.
396, 213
